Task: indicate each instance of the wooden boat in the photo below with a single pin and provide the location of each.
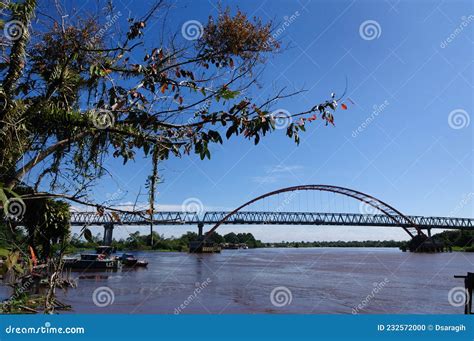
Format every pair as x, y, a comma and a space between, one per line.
199, 246
93, 261
130, 260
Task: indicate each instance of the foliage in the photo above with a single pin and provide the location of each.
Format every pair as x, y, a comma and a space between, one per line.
47, 223
3, 253
339, 243
455, 238
136, 241
242, 238
80, 97
84, 94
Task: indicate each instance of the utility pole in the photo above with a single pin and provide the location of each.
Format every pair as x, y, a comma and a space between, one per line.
151, 227
153, 180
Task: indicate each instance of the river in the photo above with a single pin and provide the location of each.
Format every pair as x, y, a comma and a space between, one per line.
277, 280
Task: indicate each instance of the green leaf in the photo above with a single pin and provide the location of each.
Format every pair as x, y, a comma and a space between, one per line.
88, 235
232, 129
257, 139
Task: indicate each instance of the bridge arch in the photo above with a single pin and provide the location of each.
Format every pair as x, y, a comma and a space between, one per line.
406, 223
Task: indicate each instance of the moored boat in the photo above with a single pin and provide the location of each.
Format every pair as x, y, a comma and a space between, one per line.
130, 260
93, 261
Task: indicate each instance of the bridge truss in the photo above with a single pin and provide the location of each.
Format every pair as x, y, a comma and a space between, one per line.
398, 218
271, 218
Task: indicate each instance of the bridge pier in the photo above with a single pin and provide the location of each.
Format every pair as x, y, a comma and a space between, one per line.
108, 232
201, 245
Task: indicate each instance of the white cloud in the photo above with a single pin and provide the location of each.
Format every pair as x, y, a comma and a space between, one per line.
285, 169
276, 173
262, 180
141, 206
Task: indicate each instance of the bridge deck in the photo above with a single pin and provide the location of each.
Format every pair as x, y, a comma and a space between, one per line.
269, 218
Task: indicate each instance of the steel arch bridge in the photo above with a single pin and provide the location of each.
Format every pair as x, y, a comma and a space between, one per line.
267, 218
338, 219
398, 218
412, 225
391, 217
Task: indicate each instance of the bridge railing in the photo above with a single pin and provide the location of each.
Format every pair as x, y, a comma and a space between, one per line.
267, 218
167, 218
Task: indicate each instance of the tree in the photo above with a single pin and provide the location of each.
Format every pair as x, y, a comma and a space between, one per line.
75, 91
87, 91
231, 238
215, 237
48, 224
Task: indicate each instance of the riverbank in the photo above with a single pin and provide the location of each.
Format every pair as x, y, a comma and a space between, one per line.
458, 240
137, 242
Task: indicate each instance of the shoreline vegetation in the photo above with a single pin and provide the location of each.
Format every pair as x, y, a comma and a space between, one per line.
458, 240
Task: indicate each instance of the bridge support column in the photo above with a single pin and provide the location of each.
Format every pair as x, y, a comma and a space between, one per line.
108, 232
429, 232
200, 226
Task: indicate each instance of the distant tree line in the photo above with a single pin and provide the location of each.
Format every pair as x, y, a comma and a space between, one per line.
457, 238
136, 241
339, 243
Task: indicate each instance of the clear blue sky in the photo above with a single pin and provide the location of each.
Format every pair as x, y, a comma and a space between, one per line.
407, 155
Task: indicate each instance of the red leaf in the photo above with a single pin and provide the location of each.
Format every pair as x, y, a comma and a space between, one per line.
163, 88
344, 106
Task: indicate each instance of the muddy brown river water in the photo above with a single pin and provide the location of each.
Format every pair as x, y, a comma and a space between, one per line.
302, 281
